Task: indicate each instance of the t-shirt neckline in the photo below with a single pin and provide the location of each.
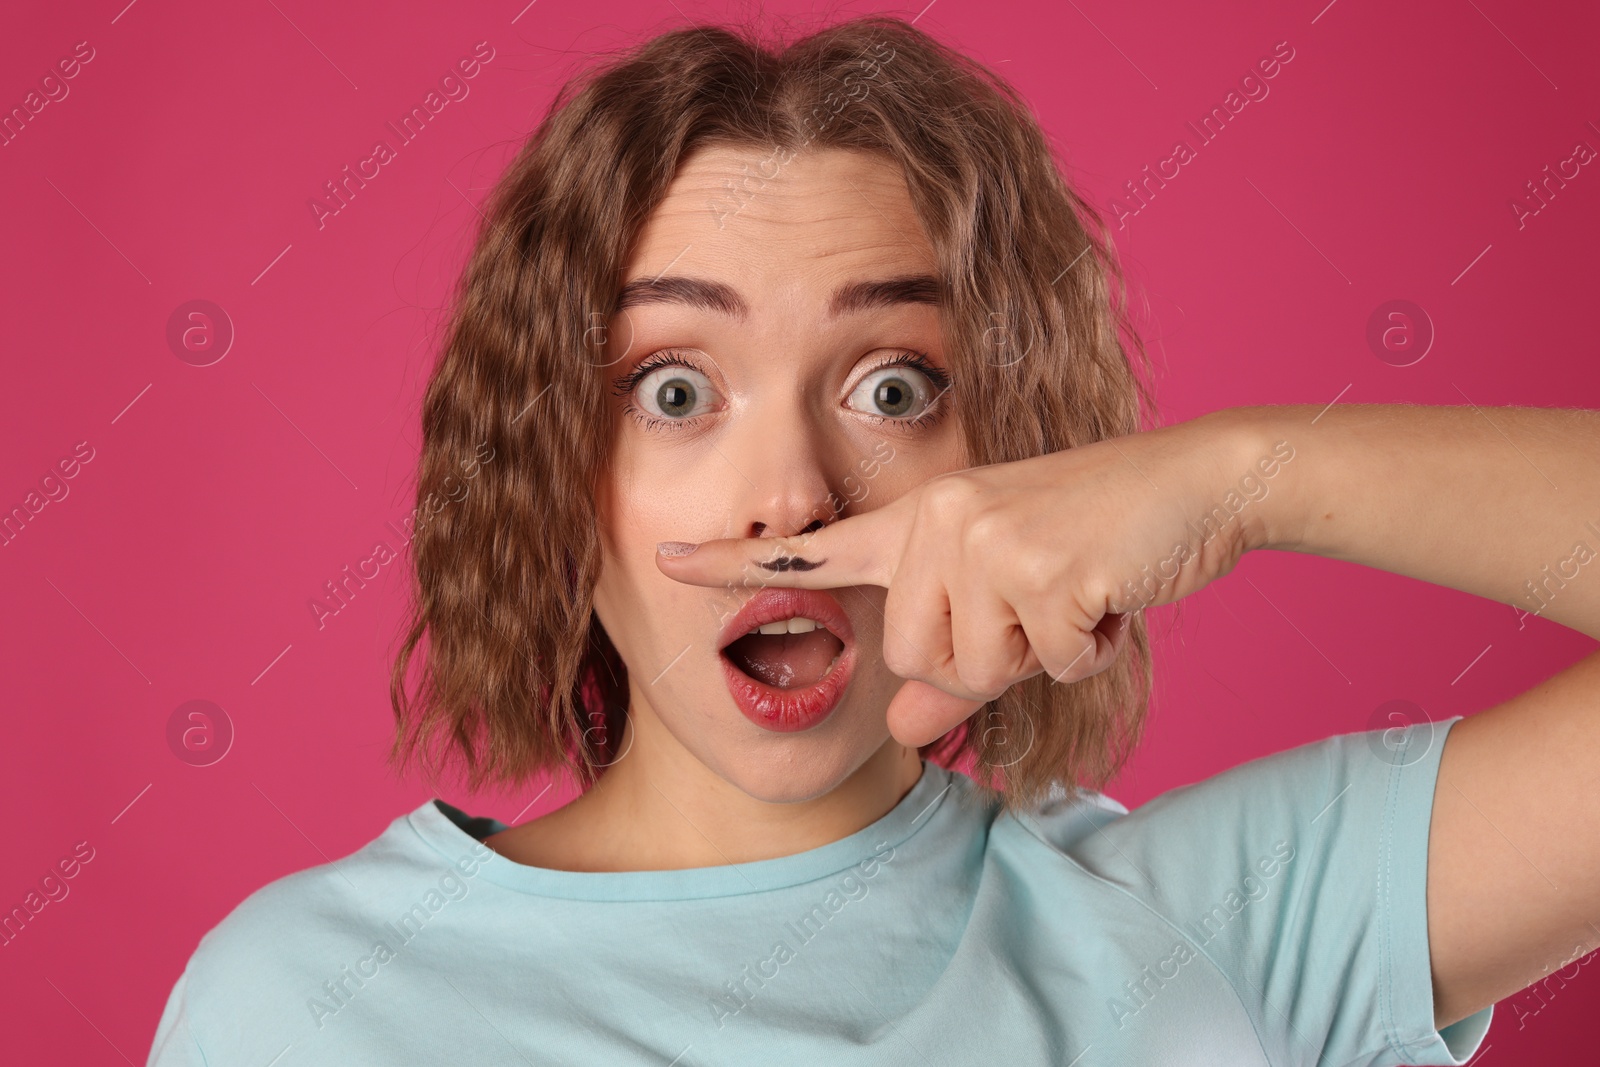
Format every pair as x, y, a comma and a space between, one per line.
455, 834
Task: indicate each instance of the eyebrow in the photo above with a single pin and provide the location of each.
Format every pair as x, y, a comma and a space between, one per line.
724, 299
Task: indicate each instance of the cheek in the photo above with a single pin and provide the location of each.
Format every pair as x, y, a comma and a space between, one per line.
891, 467
607, 510
639, 501
629, 496
650, 494
619, 534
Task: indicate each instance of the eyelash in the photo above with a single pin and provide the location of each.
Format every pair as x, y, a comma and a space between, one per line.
625, 385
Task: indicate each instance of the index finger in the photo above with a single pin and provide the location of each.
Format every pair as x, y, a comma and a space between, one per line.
859, 550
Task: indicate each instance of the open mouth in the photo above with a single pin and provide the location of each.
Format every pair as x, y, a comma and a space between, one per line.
787, 653
787, 657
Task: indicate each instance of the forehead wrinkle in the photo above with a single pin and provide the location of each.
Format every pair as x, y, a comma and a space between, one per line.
854, 226
721, 170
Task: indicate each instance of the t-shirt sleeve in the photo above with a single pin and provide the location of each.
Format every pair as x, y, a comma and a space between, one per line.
1303, 876
175, 1044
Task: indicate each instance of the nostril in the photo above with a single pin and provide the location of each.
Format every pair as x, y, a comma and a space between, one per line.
757, 529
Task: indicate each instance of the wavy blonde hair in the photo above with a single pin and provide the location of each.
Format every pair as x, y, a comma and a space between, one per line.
518, 676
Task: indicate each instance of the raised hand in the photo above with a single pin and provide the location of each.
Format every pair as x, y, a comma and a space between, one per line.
996, 573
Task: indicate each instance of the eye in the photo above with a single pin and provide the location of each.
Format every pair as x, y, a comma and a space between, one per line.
896, 391
674, 391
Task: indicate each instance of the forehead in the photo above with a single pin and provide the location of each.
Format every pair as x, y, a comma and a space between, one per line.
761, 218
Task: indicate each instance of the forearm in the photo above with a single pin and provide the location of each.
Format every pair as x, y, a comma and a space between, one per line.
1500, 502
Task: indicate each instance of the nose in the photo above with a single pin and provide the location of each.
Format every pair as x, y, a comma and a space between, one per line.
785, 485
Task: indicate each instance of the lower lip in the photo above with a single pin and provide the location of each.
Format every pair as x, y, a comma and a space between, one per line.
789, 710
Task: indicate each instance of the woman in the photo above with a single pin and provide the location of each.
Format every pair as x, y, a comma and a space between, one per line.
803, 445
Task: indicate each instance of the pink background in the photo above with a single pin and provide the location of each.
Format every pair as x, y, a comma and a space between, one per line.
220, 499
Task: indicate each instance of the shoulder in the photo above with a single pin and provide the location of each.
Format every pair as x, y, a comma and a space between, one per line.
284, 910
295, 932
1066, 816
1301, 875
1348, 785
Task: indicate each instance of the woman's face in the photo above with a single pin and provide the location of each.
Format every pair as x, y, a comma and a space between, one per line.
776, 365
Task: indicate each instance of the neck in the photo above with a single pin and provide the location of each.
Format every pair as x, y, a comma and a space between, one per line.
660, 808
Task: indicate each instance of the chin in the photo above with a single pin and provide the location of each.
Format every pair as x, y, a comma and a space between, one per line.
795, 767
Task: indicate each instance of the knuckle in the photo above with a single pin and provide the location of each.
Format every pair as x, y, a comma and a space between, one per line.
1067, 664
984, 680
1036, 573
945, 494
988, 530
899, 658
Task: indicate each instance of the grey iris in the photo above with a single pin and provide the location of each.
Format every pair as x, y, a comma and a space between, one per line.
893, 396
676, 396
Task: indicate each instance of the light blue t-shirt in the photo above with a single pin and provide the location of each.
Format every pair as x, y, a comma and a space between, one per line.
1271, 914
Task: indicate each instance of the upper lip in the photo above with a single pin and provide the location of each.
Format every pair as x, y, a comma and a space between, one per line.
770, 605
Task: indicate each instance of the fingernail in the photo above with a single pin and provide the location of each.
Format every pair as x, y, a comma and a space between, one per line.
675, 548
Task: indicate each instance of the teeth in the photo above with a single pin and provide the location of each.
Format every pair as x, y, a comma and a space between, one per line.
797, 625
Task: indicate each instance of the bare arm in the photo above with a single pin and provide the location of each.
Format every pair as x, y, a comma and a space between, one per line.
1504, 503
